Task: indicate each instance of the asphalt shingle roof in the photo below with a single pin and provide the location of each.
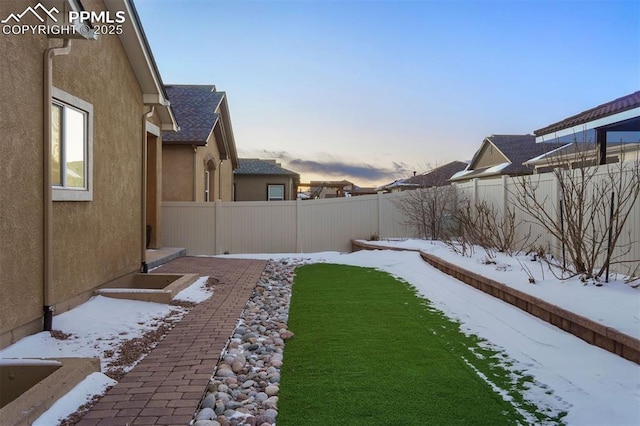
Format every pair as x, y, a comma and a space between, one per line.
520, 148
255, 166
194, 107
613, 107
438, 176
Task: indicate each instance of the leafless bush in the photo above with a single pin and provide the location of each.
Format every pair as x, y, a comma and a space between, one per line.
484, 225
426, 210
588, 218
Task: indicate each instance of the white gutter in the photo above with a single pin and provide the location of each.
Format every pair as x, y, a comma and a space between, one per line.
600, 122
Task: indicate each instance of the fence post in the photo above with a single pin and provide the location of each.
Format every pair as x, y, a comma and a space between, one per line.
217, 226
299, 235
380, 218
505, 194
505, 205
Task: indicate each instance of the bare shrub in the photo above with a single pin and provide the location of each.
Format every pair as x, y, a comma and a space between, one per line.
427, 210
583, 217
484, 225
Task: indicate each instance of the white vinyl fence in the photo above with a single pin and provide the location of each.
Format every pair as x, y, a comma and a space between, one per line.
280, 226
330, 224
502, 193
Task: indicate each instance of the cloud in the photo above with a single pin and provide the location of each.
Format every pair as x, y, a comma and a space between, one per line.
331, 168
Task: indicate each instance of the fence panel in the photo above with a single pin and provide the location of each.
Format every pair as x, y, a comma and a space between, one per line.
256, 227
330, 224
392, 221
189, 225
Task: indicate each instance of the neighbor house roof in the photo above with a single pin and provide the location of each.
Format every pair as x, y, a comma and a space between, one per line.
516, 149
617, 110
194, 107
202, 110
438, 176
255, 166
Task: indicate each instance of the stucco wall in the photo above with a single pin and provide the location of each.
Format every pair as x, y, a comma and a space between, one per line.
489, 156
226, 173
254, 187
177, 173
21, 174
93, 241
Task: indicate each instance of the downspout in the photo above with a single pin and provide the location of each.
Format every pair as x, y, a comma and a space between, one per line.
47, 210
144, 268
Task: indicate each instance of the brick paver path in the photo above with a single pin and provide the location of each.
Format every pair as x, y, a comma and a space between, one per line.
165, 388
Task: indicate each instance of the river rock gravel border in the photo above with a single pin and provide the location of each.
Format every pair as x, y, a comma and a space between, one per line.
244, 387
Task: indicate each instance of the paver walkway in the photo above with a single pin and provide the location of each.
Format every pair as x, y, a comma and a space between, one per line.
165, 388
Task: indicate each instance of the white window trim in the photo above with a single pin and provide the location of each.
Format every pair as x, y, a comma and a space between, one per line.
207, 193
269, 195
72, 194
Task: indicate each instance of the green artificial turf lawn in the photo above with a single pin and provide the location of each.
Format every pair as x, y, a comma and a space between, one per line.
369, 351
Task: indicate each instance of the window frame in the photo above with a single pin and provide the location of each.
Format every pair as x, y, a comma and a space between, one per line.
269, 185
65, 193
207, 185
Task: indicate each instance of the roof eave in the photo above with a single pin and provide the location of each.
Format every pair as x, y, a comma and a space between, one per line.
554, 131
230, 138
187, 143
144, 67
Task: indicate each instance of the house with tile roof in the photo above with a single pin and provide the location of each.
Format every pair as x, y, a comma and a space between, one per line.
614, 122
79, 119
198, 160
438, 176
264, 180
503, 155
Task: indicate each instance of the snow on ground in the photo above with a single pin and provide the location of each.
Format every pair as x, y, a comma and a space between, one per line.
593, 385
589, 301
96, 328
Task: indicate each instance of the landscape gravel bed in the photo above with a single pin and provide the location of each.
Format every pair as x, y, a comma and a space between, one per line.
244, 387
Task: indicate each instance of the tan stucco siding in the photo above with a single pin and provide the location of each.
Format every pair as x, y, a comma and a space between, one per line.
21, 173
93, 241
97, 241
203, 155
489, 156
180, 165
177, 173
226, 174
254, 187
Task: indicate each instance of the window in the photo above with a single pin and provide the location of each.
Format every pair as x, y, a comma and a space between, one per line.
71, 148
275, 192
206, 186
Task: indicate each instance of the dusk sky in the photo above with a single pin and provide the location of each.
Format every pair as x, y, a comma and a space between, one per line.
370, 91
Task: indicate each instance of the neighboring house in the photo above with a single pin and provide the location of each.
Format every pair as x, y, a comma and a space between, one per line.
614, 122
359, 190
330, 189
504, 155
81, 121
199, 159
439, 176
584, 154
264, 180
